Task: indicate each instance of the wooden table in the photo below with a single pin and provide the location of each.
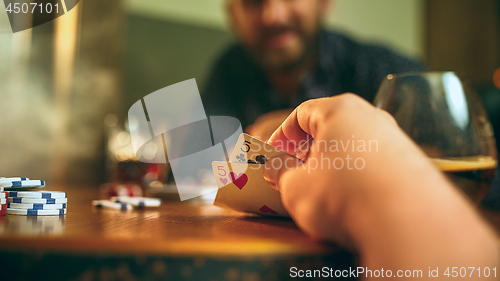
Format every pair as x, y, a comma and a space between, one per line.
178, 241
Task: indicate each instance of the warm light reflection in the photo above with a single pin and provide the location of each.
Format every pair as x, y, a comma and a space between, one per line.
66, 33
33, 225
455, 98
123, 225
120, 146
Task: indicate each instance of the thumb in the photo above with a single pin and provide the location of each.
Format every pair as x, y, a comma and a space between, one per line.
276, 167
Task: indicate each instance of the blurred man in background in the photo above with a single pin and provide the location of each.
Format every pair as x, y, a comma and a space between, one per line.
284, 57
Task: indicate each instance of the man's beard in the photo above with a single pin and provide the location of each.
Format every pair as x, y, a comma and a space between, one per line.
285, 59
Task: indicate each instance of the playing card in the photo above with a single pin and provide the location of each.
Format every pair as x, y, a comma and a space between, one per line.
243, 188
252, 150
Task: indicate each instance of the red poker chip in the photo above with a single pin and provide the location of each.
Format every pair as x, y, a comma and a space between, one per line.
4, 194
3, 212
119, 189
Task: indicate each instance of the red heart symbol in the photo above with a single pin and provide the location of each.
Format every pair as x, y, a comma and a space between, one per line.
239, 180
223, 180
266, 209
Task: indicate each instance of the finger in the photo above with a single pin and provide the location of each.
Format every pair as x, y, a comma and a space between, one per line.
284, 142
295, 130
275, 168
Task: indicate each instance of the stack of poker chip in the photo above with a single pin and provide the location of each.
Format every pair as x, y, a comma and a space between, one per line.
25, 198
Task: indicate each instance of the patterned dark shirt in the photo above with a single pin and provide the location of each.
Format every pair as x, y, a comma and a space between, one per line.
238, 87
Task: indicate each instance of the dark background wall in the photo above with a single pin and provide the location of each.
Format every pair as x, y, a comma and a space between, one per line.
161, 52
464, 36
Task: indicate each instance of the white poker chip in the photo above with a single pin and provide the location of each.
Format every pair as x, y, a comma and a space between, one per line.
137, 201
25, 200
2, 179
37, 194
106, 204
36, 206
32, 212
23, 184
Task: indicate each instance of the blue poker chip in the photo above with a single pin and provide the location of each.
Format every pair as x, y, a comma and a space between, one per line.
24, 200
37, 194
22, 184
36, 206
33, 212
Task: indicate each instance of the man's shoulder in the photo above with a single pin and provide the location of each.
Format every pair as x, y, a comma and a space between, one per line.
347, 51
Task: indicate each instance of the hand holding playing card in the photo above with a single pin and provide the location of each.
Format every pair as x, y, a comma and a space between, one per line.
397, 211
241, 184
313, 191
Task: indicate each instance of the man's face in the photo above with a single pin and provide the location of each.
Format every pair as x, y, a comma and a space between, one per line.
278, 33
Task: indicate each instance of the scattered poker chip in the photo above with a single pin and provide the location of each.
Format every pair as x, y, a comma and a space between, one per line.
33, 212
37, 194
137, 201
22, 184
112, 205
36, 206
25, 200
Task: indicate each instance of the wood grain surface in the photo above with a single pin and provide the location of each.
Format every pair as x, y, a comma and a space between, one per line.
174, 229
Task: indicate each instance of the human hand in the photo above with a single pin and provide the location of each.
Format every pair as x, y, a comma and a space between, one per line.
267, 123
389, 202
316, 192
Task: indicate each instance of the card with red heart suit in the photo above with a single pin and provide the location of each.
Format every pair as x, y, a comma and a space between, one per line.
243, 188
